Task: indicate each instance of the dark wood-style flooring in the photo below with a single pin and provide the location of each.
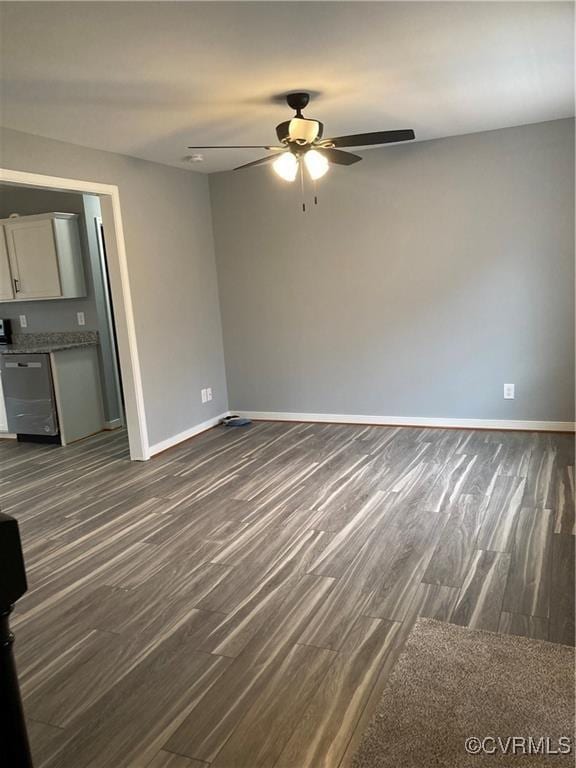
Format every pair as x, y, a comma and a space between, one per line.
239, 600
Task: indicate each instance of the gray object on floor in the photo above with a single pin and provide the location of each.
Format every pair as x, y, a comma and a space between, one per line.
236, 421
452, 683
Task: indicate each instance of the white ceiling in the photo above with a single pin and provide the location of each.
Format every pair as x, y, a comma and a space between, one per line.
147, 79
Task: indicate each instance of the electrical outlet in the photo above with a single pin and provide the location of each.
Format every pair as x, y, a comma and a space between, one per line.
81, 318
203, 395
209, 394
508, 391
23, 321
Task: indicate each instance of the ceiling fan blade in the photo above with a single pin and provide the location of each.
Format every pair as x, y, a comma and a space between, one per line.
262, 160
366, 139
239, 146
338, 157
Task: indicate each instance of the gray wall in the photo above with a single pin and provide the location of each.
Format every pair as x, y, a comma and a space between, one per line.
52, 315
168, 233
428, 275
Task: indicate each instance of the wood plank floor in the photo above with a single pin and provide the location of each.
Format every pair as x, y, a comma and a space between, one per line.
239, 600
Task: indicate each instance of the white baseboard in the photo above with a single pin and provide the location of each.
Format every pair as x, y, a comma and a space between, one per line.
412, 421
113, 424
186, 434
7, 436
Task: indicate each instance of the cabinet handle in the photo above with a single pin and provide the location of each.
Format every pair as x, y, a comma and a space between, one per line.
16, 285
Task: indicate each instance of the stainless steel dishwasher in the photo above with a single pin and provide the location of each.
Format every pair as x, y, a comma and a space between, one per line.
29, 394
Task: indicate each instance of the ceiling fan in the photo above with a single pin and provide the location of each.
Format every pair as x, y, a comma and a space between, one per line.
301, 144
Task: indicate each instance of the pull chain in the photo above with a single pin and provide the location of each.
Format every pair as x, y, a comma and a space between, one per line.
302, 188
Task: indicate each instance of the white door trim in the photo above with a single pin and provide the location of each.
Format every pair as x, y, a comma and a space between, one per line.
123, 309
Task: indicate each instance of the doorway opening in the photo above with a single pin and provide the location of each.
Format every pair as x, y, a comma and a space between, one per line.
102, 306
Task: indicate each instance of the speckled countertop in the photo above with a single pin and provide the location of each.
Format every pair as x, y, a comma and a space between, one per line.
44, 343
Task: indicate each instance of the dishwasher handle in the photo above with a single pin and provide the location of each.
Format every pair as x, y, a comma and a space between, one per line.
22, 365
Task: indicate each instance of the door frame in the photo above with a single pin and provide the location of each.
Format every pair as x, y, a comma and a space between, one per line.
135, 412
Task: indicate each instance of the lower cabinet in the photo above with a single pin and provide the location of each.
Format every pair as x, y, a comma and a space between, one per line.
78, 392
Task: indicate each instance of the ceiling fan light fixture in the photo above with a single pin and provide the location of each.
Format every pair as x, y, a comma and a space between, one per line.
286, 166
316, 164
303, 131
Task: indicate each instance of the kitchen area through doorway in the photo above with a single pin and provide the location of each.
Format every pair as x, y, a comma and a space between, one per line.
60, 377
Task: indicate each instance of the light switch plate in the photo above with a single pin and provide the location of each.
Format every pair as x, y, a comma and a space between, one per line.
23, 321
81, 318
209, 394
203, 395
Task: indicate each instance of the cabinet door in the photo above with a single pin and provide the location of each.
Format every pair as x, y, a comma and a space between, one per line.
33, 259
6, 285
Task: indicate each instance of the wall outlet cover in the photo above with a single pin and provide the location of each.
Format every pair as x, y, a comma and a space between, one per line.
509, 392
23, 321
81, 318
209, 394
203, 395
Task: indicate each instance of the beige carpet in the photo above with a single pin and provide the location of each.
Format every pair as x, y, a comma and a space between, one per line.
451, 683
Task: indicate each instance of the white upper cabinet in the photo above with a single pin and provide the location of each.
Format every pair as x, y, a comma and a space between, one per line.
6, 284
44, 258
33, 259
